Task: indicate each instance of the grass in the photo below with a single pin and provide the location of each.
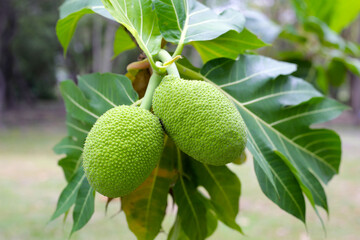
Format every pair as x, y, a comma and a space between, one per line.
30, 182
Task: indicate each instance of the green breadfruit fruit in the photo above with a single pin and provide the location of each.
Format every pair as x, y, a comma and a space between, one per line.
200, 119
121, 150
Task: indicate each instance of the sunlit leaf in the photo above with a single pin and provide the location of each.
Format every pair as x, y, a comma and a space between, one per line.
122, 42
140, 19
228, 45
187, 21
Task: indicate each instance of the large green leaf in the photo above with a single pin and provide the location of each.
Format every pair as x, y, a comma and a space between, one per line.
77, 106
228, 45
107, 90
184, 21
68, 195
145, 207
224, 189
71, 11
278, 111
84, 206
95, 94
140, 19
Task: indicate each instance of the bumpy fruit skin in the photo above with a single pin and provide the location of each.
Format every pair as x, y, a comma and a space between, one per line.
122, 149
200, 119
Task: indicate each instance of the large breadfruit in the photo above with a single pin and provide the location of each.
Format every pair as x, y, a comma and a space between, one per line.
200, 119
121, 150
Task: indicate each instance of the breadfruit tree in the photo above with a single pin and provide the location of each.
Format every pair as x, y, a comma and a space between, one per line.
180, 138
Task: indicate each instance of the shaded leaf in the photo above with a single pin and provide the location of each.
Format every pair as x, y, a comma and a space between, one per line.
84, 206
122, 42
224, 189
191, 209
228, 45
145, 207
68, 195
187, 21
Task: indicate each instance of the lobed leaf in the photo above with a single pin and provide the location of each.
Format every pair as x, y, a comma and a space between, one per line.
224, 189
278, 111
145, 207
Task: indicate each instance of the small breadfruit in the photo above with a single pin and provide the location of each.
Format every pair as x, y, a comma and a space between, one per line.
200, 119
121, 150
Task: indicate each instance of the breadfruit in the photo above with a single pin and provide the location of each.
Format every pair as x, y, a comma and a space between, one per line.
200, 119
122, 149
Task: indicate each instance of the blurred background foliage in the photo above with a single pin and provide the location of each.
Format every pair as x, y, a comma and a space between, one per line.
321, 36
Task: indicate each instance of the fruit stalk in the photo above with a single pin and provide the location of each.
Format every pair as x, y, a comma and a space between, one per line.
154, 81
164, 56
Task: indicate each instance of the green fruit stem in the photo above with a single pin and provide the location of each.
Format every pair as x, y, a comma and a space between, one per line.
164, 56
154, 81
156, 78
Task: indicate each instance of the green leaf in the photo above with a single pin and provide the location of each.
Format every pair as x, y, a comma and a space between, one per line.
107, 90
228, 45
77, 106
84, 206
68, 195
336, 72
278, 111
321, 9
191, 209
145, 207
122, 42
176, 231
224, 189
69, 166
77, 129
140, 19
288, 194
71, 11
344, 13
69, 147
184, 21
262, 26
